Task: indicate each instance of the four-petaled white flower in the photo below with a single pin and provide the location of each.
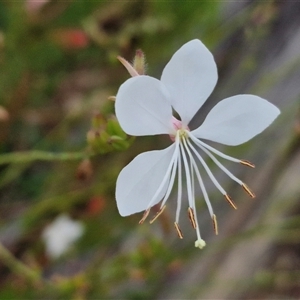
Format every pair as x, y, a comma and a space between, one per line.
144, 106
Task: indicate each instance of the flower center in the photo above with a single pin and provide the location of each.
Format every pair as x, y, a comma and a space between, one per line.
183, 133
184, 161
179, 127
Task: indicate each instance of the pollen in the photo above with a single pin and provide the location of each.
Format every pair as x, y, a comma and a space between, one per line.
215, 224
158, 214
248, 191
247, 163
230, 201
192, 217
145, 215
179, 232
183, 133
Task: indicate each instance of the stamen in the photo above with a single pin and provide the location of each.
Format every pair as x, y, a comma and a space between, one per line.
171, 182
247, 163
248, 191
208, 171
158, 214
193, 176
230, 201
179, 189
202, 187
112, 98
219, 153
215, 224
179, 232
192, 217
195, 169
167, 175
188, 176
221, 166
145, 215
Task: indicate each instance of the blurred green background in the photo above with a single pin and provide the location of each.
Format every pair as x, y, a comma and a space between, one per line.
58, 67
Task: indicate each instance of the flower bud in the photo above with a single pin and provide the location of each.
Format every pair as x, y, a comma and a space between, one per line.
139, 62
106, 135
114, 128
98, 121
84, 170
99, 141
118, 143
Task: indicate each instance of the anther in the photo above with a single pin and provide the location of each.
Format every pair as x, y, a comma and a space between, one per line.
192, 217
179, 232
215, 224
247, 163
230, 201
112, 98
248, 191
145, 215
158, 214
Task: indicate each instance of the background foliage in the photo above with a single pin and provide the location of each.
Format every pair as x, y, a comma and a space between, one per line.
58, 67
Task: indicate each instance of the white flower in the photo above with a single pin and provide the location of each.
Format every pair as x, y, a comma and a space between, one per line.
60, 235
144, 107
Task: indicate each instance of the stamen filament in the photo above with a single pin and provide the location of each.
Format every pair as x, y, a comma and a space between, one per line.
188, 175
193, 163
202, 186
248, 191
179, 232
158, 214
230, 201
174, 156
179, 191
219, 153
171, 182
210, 174
193, 175
221, 166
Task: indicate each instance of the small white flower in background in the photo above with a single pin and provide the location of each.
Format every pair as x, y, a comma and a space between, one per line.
60, 235
144, 107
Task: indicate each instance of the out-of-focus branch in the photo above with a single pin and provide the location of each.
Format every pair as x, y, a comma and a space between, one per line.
23, 157
18, 267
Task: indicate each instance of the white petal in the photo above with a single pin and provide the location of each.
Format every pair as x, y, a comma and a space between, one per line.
140, 179
237, 119
190, 77
143, 107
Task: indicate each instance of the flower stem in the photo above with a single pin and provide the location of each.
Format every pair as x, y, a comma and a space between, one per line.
23, 157
18, 267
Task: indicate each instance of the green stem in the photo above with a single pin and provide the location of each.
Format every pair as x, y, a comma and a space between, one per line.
23, 157
18, 267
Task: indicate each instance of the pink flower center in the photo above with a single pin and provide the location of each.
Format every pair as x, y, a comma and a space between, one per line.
177, 125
